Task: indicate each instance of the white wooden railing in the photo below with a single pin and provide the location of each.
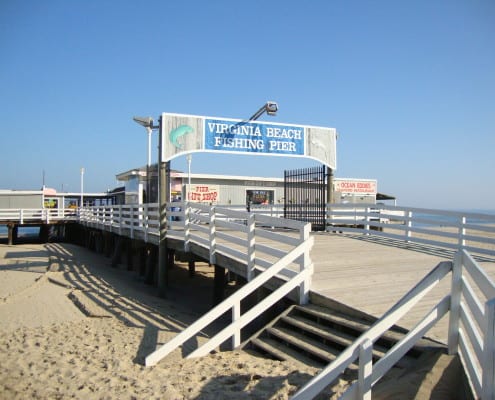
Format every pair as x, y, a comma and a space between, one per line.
125, 219
471, 333
474, 232
233, 303
28, 215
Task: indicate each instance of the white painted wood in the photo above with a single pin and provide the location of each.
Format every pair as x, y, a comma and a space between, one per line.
455, 304
227, 304
473, 373
365, 370
474, 337
488, 377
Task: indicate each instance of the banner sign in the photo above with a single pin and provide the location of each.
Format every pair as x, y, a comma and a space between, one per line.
355, 186
187, 133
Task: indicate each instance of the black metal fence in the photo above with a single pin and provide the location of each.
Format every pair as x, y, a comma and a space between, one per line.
305, 195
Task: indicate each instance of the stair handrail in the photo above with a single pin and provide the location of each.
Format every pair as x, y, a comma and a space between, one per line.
471, 333
390, 318
233, 303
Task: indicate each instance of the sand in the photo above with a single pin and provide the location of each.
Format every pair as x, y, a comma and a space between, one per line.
73, 327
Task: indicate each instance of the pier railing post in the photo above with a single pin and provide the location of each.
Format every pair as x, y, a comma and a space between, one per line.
251, 245
455, 304
462, 233
213, 236
488, 377
187, 225
408, 226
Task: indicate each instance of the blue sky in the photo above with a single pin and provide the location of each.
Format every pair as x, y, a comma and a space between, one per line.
409, 86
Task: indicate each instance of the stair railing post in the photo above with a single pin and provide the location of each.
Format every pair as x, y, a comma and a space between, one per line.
305, 263
365, 370
236, 315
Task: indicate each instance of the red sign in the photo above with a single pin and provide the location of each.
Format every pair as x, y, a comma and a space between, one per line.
202, 193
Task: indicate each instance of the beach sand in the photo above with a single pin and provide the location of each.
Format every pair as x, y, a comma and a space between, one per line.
73, 327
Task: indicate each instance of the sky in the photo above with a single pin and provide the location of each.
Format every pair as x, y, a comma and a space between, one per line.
409, 87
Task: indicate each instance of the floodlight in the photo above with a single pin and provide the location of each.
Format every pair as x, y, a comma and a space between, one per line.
147, 122
270, 107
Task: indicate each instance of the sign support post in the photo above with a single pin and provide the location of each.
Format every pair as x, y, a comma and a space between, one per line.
163, 197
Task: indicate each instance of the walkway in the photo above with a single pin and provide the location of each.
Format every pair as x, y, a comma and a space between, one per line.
371, 273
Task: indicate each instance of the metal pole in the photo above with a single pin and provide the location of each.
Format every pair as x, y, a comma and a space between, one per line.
148, 165
82, 187
163, 198
189, 158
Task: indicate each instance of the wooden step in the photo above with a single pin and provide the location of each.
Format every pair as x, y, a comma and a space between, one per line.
315, 349
387, 339
282, 352
327, 334
348, 322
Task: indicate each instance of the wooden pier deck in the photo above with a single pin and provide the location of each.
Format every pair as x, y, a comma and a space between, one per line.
371, 273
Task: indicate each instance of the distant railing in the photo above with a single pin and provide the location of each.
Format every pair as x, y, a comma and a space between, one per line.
128, 219
474, 232
32, 215
471, 333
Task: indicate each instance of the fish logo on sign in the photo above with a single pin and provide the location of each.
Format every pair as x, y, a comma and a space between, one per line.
177, 133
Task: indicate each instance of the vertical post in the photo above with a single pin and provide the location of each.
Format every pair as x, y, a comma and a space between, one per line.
251, 243
10, 228
455, 304
304, 263
163, 198
462, 233
488, 377
236, 315
409, 225
330, 197
365, 370
213, 236
82, 187
187, 225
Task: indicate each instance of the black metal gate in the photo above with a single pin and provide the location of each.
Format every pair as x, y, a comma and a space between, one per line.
304, 196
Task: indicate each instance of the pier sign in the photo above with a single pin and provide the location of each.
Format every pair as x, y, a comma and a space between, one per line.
183, 134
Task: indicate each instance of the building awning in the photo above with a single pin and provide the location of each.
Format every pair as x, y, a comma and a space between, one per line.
383, 196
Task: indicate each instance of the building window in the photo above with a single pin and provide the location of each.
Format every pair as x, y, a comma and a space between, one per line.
255, 197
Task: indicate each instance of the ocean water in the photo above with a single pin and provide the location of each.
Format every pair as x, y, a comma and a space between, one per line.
24, 231
446, 220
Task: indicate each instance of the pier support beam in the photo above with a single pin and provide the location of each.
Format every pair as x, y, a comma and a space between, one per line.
218, 285
10, 239
150, 268
117, 250
192, 268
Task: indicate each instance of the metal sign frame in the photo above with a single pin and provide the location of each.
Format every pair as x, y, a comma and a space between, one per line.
182, 134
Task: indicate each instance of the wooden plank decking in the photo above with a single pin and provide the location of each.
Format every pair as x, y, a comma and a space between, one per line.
371, 273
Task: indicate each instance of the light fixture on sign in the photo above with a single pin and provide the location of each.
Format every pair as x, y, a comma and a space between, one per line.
270, 107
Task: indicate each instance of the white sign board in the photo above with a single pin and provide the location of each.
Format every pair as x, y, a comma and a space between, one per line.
356, 186
202, 193
188, 133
